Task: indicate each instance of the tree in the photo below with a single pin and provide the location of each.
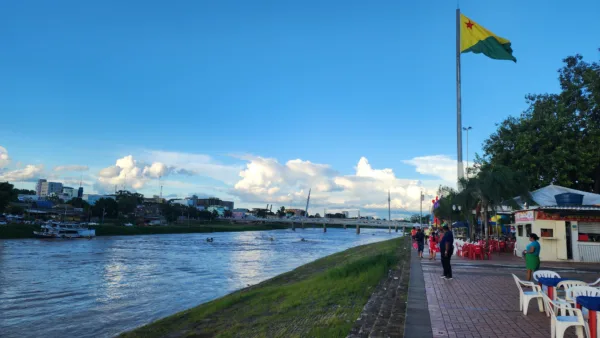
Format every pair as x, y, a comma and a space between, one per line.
214, 214
77, 202
262, 213
55, 199
7, 195
128, 201
557, 139
317, 215
15, 210
24, 192
281, 211
494, 185
109, 205
228, 214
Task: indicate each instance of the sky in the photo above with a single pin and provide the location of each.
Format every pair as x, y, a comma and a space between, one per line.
260, 101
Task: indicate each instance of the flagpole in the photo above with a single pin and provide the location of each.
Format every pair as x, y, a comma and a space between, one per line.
459, 164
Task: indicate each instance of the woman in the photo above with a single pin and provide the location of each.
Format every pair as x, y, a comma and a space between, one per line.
433, 249
532, 255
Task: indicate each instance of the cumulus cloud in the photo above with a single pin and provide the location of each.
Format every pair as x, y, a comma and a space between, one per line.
191, 164
441, 166
29, 173
73, 167
265, 180
4, 159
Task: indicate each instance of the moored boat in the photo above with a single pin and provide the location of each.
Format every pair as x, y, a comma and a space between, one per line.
64, 230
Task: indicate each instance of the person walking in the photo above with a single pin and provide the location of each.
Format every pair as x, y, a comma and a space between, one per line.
446, 250
532, 255
420, 239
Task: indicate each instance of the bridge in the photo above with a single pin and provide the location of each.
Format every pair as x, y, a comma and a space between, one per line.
302, 222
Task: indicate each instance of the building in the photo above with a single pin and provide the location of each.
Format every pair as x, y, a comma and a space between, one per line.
567, 222
295, 212
219, 209
240, 213
50, 188
38, 187
213, 201
69, 193
80, 192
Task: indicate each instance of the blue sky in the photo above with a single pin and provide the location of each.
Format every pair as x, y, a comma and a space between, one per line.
89, 82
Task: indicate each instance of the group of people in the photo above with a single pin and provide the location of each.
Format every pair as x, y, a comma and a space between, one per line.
441, 241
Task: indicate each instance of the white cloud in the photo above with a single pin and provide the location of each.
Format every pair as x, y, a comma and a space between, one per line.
4, 159
73, 167
194, 164
28, 174
125, 173
441, 166
265, 180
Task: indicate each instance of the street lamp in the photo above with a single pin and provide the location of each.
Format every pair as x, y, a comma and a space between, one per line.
467, 130
454, 208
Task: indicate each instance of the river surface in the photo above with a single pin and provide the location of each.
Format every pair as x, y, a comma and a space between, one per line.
107, 285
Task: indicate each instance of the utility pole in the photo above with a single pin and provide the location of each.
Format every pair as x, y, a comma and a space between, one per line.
467, 154
421, 210
389, 213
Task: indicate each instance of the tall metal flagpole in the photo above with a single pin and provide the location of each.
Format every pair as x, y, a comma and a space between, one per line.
460, 170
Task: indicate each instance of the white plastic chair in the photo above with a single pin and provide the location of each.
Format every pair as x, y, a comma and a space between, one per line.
526, 296
563, 318
568, 286
595, 284
545, 273
516, 249
577, 291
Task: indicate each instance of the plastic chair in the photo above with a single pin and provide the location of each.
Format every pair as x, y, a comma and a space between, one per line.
545, 273
526, 296
595, 284
488, 253
478, 252
516, 249
563, 318
568, 286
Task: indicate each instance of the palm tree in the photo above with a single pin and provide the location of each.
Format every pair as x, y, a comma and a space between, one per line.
492, 186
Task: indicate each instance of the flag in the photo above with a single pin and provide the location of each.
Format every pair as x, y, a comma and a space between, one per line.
476, 39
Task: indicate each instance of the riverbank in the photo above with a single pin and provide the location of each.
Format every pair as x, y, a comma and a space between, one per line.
319, 299
16, 231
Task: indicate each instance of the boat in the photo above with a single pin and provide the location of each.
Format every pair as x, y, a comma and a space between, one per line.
64, 230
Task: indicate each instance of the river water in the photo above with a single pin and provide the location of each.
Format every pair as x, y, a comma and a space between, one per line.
107, 285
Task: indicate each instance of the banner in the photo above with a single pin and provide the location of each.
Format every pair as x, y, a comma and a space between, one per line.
557, 217
525, 216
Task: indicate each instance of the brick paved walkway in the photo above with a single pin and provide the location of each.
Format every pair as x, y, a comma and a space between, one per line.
483, 301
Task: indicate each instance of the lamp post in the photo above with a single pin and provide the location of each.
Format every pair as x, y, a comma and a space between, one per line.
467, 130
454, 209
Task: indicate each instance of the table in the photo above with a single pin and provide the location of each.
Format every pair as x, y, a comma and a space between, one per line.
593, 305
551, 283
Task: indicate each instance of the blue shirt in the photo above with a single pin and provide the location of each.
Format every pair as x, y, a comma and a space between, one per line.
448, 238
536, 248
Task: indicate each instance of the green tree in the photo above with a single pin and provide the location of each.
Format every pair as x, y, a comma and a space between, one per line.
557, 139
24, 192
128, 201
7, 195
77, 202
214, 214
228, 213
109, 205
494, 185
317, 215
281, 211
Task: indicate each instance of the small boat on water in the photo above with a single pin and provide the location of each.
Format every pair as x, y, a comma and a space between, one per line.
64, 230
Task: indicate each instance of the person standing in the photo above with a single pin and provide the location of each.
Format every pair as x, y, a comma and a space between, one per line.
433, 242
420, 239
532, 255
446, 250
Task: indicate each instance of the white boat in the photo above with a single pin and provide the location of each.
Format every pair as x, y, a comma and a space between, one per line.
64, 230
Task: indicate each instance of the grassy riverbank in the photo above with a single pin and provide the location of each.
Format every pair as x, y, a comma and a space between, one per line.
14, 231
319, 299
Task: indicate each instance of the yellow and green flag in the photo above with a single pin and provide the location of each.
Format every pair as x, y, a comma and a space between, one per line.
476, 39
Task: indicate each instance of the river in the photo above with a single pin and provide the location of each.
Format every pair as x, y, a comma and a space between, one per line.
107, 285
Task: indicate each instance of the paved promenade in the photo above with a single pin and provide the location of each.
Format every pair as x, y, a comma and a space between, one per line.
482, 299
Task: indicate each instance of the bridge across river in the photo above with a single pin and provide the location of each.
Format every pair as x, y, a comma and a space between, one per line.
302, 222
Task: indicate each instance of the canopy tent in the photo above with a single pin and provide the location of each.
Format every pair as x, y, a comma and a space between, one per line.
545, 196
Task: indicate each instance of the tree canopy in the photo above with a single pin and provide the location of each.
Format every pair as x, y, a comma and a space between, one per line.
7, 195
557, 139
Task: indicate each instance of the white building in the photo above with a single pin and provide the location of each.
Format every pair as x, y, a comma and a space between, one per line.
50, 188
69, 192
